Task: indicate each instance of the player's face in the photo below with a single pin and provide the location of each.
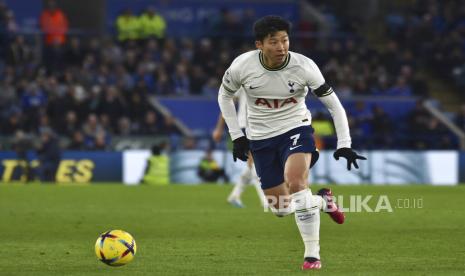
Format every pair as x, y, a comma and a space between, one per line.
274, 48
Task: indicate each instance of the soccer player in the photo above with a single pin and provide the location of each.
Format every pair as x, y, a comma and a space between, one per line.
279, 131
248, 175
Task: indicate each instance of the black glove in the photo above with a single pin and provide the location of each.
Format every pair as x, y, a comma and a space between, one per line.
350, 155
241, 148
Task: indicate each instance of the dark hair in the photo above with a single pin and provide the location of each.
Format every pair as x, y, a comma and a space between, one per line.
156, 150
269, 25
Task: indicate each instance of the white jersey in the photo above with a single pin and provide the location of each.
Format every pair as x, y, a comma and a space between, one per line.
242, 108
276, 96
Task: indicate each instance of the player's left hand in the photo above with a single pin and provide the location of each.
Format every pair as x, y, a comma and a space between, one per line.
241, 148
350, 155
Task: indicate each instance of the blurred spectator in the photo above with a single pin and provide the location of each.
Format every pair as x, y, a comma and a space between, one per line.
70, 125
181, 82
112, 105
107, 123
127, 26
420, 86
198, 80
32, 101
97, 75
382, 128
10, 23
157, 171
323, 128
425, 130
400, 89
77, 141
124, 126
44, 123
92, 126
229, 26
4, 35
151, 124
144, 80
361, 115
189, 143
54, 26
163, 86
138, 107
49, 155
210, 88
19, 53
22, 143
8, 95
152, 24
101, 141
419, 119
14, 122
74, 53
209, 170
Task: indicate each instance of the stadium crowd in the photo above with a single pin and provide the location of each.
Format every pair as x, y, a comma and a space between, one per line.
434, 32
88, 89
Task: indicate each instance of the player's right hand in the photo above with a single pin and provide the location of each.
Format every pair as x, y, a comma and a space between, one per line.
241, 148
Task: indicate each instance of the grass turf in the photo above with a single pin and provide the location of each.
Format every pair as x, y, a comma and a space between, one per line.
190, 230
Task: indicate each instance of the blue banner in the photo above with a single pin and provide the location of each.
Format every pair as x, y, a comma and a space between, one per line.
183, 17
202, 114
26, 12
75, 166
197, 18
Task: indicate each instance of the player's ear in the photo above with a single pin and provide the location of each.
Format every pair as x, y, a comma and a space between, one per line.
258, 44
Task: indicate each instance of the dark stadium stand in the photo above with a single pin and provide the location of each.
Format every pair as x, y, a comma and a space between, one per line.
93, 89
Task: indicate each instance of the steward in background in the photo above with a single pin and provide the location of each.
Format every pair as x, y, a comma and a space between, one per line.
157, 171
152, 25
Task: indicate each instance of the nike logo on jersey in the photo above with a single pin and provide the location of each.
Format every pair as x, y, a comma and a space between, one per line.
293, 148
253, 87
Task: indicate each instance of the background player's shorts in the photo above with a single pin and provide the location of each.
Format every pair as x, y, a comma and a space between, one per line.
270, 155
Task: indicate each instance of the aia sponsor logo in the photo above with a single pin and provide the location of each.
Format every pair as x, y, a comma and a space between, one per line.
275, 103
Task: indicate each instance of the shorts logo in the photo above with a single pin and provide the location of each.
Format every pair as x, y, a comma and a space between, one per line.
293, 148
254, 87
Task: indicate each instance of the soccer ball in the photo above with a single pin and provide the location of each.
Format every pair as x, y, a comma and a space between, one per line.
115, 247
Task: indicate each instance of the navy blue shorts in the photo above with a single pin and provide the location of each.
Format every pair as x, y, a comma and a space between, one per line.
270, 155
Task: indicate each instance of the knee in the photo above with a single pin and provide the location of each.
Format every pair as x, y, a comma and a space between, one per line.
296, 182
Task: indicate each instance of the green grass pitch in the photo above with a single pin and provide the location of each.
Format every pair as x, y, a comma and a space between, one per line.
191, 230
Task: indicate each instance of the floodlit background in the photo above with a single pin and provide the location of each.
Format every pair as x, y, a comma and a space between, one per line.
92, 91
108, 77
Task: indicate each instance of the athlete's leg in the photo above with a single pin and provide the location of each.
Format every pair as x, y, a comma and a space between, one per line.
278, 200
246, 177
307, 207
234, 197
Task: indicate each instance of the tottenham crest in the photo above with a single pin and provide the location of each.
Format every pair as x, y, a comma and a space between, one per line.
291, 86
